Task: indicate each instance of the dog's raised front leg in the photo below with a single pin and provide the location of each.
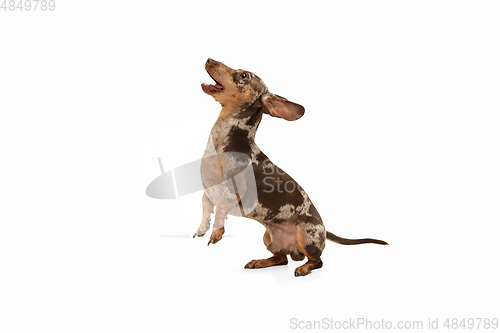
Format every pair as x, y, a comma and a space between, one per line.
223, 207
208, 209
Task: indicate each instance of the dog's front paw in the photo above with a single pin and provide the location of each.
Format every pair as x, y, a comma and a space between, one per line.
202, 229
216, 235
199, 233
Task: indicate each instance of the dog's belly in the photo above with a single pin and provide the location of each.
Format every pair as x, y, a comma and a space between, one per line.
283, 237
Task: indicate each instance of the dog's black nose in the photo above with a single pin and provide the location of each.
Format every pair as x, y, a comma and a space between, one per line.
210, 61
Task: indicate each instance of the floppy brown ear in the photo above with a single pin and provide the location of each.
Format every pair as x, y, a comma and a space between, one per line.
278, 106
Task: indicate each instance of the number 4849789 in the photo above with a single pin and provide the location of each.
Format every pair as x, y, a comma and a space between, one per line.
28, 5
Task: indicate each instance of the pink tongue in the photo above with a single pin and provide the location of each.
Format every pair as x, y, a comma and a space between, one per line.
212, 87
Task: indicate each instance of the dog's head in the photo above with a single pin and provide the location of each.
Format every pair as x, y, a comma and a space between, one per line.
236, 90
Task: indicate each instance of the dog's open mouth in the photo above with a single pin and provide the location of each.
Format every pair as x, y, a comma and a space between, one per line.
212, 88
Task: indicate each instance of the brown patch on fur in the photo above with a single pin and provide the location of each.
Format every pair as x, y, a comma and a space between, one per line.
238, 141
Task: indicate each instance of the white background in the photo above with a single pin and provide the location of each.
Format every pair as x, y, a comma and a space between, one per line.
399, 142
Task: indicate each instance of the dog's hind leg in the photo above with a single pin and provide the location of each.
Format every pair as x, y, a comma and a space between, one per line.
311, 242
276, 260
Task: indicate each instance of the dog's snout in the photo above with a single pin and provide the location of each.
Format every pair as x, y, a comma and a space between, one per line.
210, 61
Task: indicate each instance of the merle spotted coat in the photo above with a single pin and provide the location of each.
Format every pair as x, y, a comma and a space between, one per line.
239, 179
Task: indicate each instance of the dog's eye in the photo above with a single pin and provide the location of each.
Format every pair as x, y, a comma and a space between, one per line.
244, 75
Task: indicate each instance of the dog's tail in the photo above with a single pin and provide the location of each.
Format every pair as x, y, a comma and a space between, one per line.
344, 241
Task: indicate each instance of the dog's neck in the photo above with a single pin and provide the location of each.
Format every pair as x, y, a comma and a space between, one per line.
241, 126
